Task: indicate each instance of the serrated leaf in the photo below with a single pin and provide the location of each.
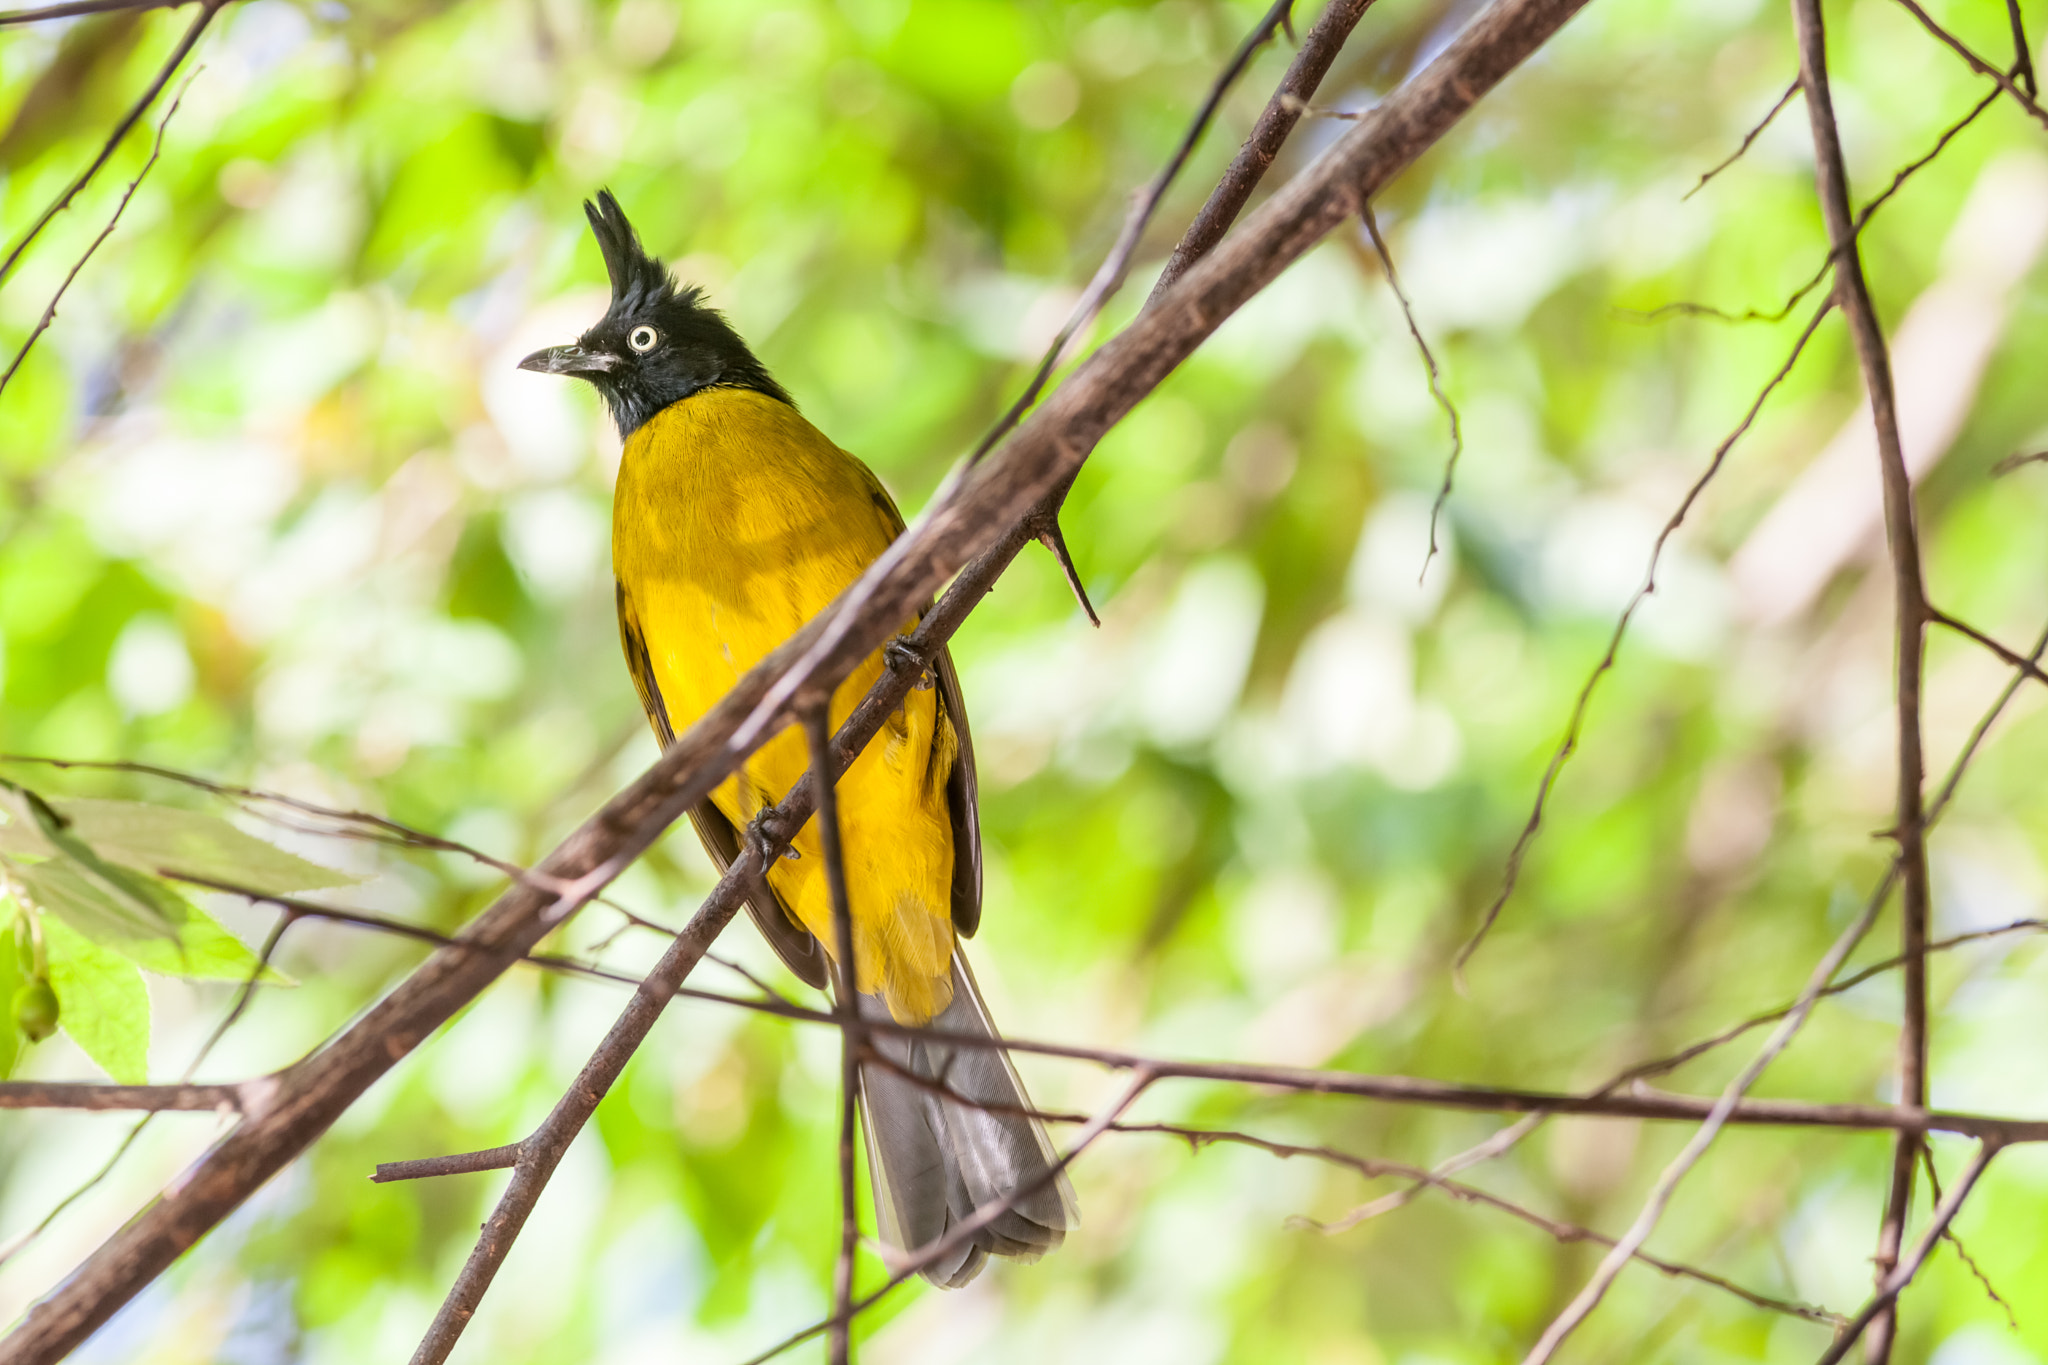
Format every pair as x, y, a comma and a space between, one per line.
103, 1004
135, 901
205, 951
59, 887
162, 839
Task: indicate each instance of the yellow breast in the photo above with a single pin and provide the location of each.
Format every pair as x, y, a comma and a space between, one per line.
734, 522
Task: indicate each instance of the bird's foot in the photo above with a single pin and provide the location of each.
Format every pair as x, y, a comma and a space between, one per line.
903, 657
765, 832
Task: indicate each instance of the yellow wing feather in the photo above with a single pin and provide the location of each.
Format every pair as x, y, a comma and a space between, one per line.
734, 522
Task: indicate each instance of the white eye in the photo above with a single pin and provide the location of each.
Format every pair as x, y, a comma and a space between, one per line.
643, 338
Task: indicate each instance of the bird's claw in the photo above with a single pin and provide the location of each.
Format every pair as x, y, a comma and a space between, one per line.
763, 832
902, 657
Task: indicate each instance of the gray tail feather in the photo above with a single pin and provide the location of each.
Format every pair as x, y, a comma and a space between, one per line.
936, 1160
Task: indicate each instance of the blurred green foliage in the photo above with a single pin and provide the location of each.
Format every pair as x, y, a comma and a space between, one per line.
275, 507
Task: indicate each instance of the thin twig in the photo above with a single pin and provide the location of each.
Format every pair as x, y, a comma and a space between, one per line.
207, 9
1576, 723
1373, 1168
50, 313
1588, 1298
461, 1163
1506, 1139
957, 1236
2026, 666
1863, 217
846, 1006
2012, 462
1436, 388
1897, 1278
1319, 49
1110, 274
1755, 132
1977, 63
1948, 1235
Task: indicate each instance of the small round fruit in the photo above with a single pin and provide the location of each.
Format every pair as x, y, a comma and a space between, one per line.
35, 1010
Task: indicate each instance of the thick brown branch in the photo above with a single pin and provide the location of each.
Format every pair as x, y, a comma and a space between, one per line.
1910, 605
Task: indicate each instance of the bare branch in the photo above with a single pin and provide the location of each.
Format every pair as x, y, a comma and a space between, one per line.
2012, 462
1318, 53
1755, 132
1897, 1278
50, 313
846, 1005
1576, 724
1373, 1168
1948, 1234
74, 8
962, 1232
1979, 65
1436, 388
1863, 217
207, 9
2022, 54
204, 1099
462, 1163
1689, 1156
2026, 666
1109, 276
1910, 606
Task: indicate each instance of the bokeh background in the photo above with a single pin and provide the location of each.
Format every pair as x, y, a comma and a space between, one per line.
276, 507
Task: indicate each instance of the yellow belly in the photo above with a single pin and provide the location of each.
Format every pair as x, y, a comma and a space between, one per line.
734, 522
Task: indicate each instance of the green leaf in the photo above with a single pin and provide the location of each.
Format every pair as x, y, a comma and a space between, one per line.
11, 980
116, 894
105, 1006
65, 891
204, 952
164, 839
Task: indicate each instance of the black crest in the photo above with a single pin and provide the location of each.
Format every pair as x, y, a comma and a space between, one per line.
640, 282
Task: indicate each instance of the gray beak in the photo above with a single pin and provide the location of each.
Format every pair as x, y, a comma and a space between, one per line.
569, 360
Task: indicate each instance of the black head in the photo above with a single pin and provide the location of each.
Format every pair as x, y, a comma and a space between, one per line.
657, 344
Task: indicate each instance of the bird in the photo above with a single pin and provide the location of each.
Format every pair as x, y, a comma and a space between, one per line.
734, 521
